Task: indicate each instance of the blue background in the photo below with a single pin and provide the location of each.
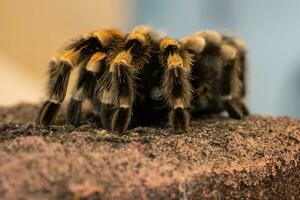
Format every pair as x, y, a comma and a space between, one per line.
270, 28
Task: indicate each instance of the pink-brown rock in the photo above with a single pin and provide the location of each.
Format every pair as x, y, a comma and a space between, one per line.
218, 158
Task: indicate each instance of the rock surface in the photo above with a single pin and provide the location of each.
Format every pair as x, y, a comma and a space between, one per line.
218, 158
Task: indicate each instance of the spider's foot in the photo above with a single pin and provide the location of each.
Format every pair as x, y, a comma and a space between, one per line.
179, 119
74, 112
106, 111
121, 120
48, 113
233, 109
245, 109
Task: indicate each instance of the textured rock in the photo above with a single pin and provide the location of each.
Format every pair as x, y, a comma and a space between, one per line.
218, 158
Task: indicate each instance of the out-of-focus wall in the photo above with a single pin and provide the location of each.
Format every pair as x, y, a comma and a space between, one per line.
32, 30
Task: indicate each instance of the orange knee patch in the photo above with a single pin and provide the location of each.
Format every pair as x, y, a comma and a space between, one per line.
123, 58
105, 36
94, 63
69, 56
165, 42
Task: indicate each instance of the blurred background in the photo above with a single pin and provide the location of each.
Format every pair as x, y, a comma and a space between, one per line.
32, 30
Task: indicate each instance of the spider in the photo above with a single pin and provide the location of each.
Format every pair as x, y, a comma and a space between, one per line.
139, 79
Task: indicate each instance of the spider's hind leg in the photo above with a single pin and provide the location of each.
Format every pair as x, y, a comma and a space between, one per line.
231, 84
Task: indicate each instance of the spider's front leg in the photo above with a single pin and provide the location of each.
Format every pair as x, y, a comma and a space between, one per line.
116, 90
176, 87
78, 52
92, 66
59, 72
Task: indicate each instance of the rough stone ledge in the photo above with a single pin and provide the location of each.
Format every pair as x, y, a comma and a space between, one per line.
218, 158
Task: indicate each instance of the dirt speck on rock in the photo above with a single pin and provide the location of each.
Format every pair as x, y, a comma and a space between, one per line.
217, 158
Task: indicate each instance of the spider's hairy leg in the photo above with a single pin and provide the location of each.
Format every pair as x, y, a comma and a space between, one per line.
59, 72
194, 44
206, 70
91, 62
176, 62
231, 85
85, 86
226, 55
242, 61
117, 87
76, 53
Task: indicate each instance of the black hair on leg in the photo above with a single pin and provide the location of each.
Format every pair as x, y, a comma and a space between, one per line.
84, 89
40, 112
179, 118
59, 79
176, 87
233, 109
59, 72
121, 119
78, 53
74, 111
106, 113
233, 78
116, 89
48, 113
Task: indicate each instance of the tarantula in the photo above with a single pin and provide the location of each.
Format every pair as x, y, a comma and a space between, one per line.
139, 78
